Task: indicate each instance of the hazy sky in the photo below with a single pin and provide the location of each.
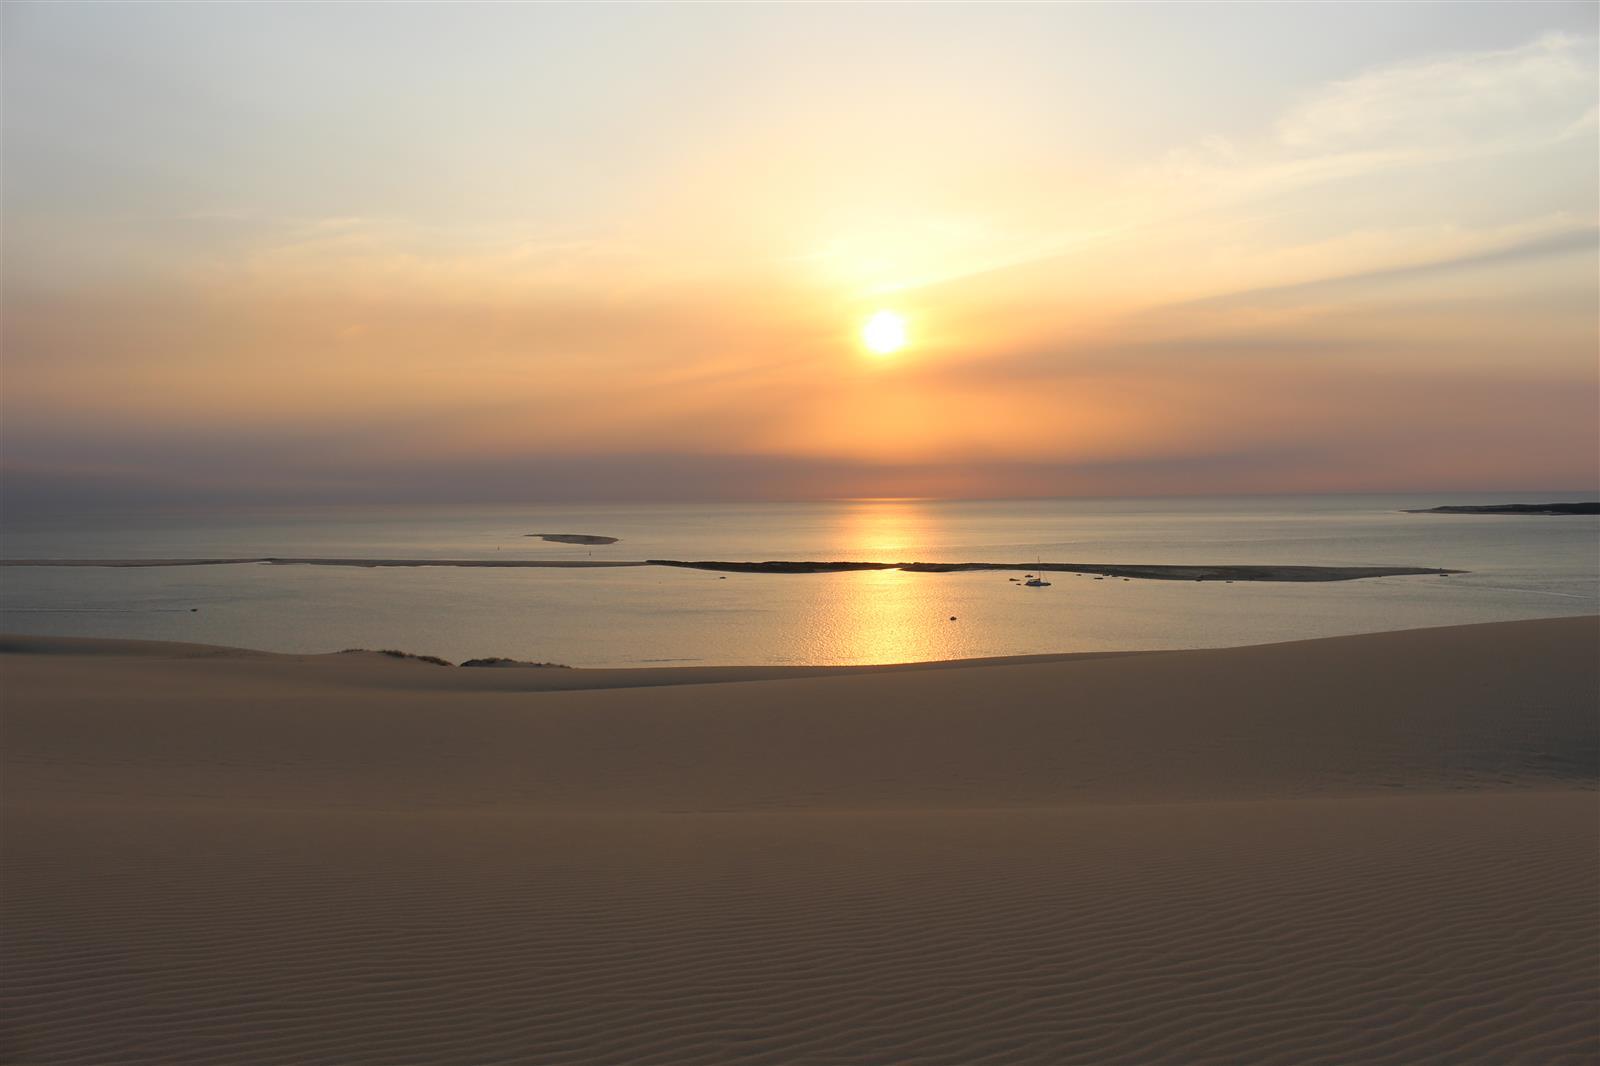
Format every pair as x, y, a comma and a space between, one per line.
293, 252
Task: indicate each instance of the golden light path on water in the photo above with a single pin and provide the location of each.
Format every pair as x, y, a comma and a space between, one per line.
888, 616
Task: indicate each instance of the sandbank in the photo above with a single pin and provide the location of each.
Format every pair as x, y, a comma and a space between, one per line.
574, 538
1159, 572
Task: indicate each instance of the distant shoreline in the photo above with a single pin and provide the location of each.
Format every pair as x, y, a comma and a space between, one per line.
1155, 572
1584, 508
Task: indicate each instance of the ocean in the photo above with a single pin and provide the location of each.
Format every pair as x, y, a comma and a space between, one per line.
1519, 567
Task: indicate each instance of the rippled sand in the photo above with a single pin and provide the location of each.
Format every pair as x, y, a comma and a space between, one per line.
1374, 849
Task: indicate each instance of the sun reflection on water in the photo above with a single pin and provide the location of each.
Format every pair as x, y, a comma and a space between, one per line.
884, 616
890, 531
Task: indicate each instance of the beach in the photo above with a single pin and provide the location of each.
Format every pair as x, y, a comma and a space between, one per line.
1372, 848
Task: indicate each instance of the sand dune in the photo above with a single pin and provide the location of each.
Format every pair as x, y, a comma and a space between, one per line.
1374, 849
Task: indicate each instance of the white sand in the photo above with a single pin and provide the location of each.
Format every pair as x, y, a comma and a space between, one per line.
1373, 849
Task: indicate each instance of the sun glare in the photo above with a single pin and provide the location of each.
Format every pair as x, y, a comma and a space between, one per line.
884, 333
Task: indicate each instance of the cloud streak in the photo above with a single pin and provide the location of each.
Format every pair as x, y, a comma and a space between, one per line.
1582, 240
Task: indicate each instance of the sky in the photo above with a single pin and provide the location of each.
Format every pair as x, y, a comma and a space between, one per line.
506, 253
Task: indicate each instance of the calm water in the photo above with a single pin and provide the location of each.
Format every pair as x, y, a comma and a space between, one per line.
1522, 567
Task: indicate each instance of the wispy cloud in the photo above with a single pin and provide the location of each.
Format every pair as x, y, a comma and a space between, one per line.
1407, 114
1463, 102
1475, 105
1560, 243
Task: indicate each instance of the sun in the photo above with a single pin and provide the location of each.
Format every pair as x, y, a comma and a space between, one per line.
884, 333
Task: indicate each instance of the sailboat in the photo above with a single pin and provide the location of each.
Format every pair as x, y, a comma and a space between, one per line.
1037, 581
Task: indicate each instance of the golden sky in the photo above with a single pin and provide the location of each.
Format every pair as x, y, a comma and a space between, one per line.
524, 252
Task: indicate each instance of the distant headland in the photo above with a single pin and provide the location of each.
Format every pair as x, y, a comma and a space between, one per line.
1511, 508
